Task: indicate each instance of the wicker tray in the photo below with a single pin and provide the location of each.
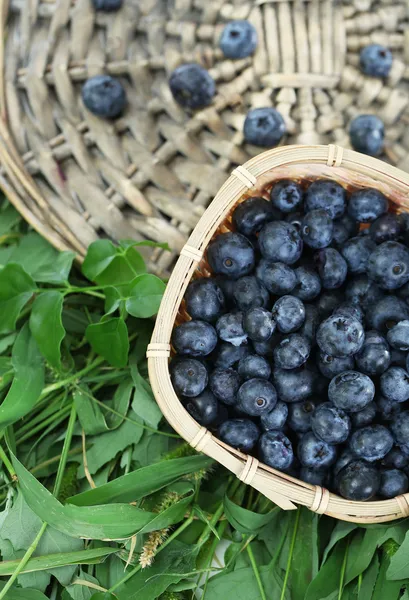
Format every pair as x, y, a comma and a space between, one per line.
152, 173
352, 170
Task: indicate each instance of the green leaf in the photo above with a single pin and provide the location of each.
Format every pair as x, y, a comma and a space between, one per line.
16, 289
9, 218
7, 341
242, 585
145, 296
140, 483
245, 520
77, 591
340, 531
25, 594
107, 264
149, 243
56, 271
28, 379
304, 565
46, 326
399, 564
385, 589
144, 403
103, 596
369, 579
99, 256
89, 413
327, 579
361, 551
110, 340
33, 254
52, 562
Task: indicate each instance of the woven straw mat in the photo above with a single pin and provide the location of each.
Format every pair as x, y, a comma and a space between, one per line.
151, 173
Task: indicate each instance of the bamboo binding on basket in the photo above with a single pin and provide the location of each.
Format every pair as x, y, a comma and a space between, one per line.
352, 170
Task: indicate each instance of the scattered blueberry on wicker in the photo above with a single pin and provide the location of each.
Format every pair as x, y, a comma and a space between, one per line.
366, 133
192, 86
297, 347
376, 60
104, 96
238, 39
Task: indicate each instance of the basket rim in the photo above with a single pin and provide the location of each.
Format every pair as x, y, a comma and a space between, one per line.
286, 491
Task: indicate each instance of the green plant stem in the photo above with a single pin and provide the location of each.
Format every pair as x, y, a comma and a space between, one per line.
54, 420
7, 464
342, 574
50, 461
256, 572
279, 548
290, 555
58, 385
210, 554
53, 407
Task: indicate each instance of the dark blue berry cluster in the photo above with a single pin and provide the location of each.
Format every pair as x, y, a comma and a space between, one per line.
297, 349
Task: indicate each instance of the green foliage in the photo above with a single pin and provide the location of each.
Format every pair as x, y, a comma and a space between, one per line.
46, 326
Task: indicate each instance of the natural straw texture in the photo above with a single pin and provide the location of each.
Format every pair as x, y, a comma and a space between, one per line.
352, 170
151, 173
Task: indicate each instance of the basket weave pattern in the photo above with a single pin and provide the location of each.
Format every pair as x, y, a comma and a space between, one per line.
352, 170
151, 173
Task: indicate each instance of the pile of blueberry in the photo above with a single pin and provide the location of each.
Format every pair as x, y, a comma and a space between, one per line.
297, 347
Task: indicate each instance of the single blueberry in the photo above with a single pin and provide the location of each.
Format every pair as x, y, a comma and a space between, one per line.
351, 391
194, 338
259, 324
204, 299
250, 292
398, 336
386, 312
256, 396
289, 313
364, 417
231, 254
276, 418
367, 204
317, 229
277, 277
107, 5
225, 383
295, 219
328, 302
395, 459
330, 366
192, 86
227, 287
393, 483
230, 328
400, 427
361, 290
242, 434
238, 39
348, 309
275, 450
314, 476
366, 133
280, 242
375, 60
388, 265
371, 443
252, 366
229, 355
374, 356
308, 284
358, 481
387, 408
386, 228
251, 215
315, 453
299, 415
357, 251
403, 292
398, 358
266, 348
328, 195
189, 376
343, 460
344, 228
203, 408
394, 384
286, 195
309, 327
294, 385
340, 336
330, 424
104, 96
264, 127
292, 352
332, 268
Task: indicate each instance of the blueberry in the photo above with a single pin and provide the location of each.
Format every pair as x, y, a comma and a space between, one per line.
300, 415
258, 324
295, 219
364, 417
104, 96
231, 254
292, 352
264, 127
192, 86
229, 355
385, 313
393, 483
314, 476
189, 376
328, 195
286, 195
346, 457
403, 292
332, 268
400, 427
394, 384
374, 356
375, 60
242, 434
275, 450
367, 205
358, 481
227, 286
351, 391
340, 336
309, 327
204, 300
238, 39
313, 452
225, 383
395, 459
317, 229
330, 424
344, 228
386, 228
388, 409
280, 242
347, 309
249, 293
277, 277
308, 284
388, 265
289, 313
203, 408
398, 336
357, 251
230, 328
361, 290
276, 418
254, 366
251, 215
371, 443
194, 338
266, 348
328, 302
366, 133
107, 5
330, 366
256, 396
294, 385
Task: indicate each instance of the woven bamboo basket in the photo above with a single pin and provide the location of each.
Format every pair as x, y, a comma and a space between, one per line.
352, 170
152, 173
